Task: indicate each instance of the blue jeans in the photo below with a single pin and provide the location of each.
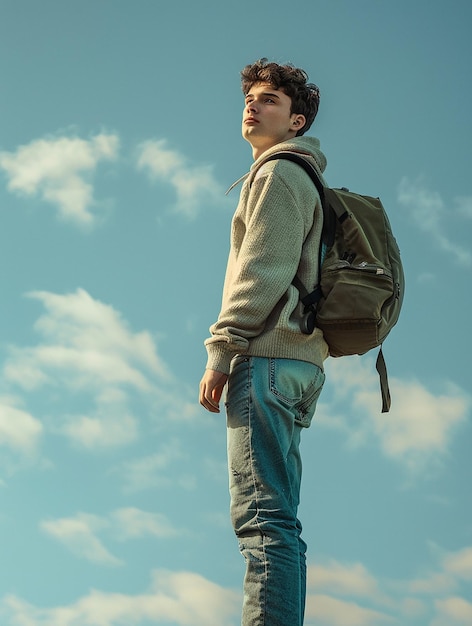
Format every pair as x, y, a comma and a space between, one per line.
269, 402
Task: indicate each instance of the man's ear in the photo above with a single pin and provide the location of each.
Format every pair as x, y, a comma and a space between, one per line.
298, 121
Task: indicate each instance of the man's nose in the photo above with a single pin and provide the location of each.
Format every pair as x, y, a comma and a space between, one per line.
251, 107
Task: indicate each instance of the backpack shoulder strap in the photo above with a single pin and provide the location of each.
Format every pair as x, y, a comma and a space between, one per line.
327, 234
310, 298
310, 169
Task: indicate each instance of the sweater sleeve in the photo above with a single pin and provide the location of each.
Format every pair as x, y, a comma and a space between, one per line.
267, 240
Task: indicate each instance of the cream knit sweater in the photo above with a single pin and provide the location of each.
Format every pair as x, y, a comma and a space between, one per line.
275, 235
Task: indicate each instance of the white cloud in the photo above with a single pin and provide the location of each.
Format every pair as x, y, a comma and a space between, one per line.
132, 523
453, 611
434, 584
324, 610
101, 432
371, 601
56, 170
19, 431
182, 598
78, 534
422, 423
111, 425
419, 427
412, 607
452, 571
341, 579
87, 356
459, 564
85, 344
428, 211
193, 185
464, 206
153, 470
347, 594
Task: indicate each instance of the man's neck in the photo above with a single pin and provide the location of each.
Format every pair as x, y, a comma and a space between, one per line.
257, 151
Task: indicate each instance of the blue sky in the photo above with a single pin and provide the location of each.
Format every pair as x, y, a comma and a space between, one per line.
119, 133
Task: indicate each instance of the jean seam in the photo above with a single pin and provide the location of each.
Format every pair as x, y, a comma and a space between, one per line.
256, 496
315, 389
300, 406
312, 389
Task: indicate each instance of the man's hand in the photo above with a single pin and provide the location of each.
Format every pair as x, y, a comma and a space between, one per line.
211, 388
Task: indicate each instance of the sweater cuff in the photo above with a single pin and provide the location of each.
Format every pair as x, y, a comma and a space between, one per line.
219, 357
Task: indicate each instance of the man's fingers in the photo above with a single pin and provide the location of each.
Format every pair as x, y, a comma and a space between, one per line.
209, 403
211, 388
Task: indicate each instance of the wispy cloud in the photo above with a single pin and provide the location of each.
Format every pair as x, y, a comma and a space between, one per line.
110, 425
154, 470
84, 344
182, 598
453, 611
324, 610
89, 356
19, 431
21, 436
464, 206
194, 185
133, 523
450, 572
58, 170
351, 579
80, 533
433, 583
429, 212
420, 426
348, 594
444, 584
459, 563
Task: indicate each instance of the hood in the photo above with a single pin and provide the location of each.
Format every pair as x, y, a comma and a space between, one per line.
304, 145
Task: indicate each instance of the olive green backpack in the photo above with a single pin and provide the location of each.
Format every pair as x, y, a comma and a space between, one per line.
360, 290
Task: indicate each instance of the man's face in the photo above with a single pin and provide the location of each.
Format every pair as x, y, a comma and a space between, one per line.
267, 119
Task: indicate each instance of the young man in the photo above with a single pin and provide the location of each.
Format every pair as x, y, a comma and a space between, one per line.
273, 369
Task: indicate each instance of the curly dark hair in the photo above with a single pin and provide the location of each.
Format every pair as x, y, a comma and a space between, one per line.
291, 80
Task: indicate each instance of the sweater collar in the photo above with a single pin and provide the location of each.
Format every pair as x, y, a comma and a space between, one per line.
309, 146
